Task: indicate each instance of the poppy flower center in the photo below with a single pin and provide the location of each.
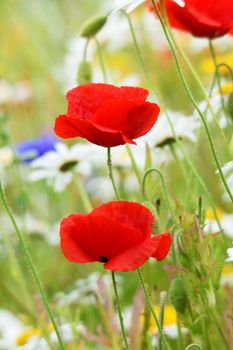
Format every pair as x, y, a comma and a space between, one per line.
68, 165
103, 259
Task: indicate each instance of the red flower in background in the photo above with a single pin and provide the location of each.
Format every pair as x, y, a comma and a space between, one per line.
107, 115
202, 18
117, 234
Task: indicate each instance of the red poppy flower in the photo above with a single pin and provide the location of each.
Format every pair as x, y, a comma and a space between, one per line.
202, 18
117, 234
107, 115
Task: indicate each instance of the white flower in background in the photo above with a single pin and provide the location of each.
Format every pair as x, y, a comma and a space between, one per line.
226, 221
216, 104
162, 134
14, 93
230, 255
10, 328
227, 170
127, 5
84, 290
59, 166
6, 159
31, 338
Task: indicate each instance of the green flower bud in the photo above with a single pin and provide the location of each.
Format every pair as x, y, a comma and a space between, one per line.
93, 26
230, 105
178, 295
84, 73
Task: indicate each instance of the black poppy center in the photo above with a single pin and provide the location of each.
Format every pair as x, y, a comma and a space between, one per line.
103, 259
68, 165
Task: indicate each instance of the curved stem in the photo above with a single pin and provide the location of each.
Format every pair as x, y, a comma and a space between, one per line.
167, 200
194, 345
33, 269
166, 346
163, 187
85, 50
101, 59
109, 162
212, 51
119, 311
192, 99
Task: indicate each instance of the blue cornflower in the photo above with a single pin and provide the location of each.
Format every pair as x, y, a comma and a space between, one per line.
32, 149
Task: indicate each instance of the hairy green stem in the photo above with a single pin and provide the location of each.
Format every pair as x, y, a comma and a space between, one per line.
119, 311
192, 99
109, 163
32, 267
134, 164
163, 296
101, 59
166, 345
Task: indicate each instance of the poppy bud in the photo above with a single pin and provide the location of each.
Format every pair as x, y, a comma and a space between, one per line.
93, 26
178, 295
230, 105
84, 73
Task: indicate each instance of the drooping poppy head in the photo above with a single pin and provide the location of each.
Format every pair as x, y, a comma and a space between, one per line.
107, 115
202, 18
117, 234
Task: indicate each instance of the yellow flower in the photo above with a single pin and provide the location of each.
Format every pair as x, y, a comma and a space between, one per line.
170, 317
210, 215
227, 275
23, 338
226, 88
207, 65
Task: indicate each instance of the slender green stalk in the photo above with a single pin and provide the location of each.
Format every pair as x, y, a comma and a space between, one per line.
192, 99
213, 55
101, 59
83, 195
151, 86
85, 50
192, 70
109, 162
165, 193
119, 311
192, 346
163, 296
166, 345
134, 164
33, 269
167, 200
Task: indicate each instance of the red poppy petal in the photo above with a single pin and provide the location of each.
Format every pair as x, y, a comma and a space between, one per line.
131, 214
71, 250
67, 127
164, 245
96, 236
141, 119
134, 93
136, 256
84, 100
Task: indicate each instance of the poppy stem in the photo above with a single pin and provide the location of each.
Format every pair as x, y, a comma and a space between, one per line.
213, 55
33, 268
109, 162
101, 59
192, 99
119, 311
134, 164
166, 345
167, 200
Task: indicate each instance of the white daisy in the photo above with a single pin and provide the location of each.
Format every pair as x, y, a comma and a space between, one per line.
16, 94
59, 166
162, 134
10, 328
227, 170
230, 255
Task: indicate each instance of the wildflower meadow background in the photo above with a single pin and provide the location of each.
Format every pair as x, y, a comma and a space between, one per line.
116, 175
